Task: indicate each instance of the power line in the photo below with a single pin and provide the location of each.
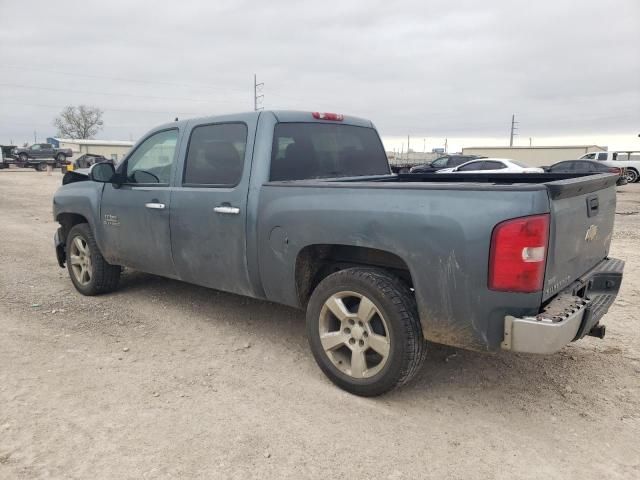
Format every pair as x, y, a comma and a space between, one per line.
119, 79
127, 110
258, 99
107, 93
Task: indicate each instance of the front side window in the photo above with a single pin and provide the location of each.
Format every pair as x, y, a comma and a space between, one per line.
440, 162
151, 162
216, 155
35, 147
315, 150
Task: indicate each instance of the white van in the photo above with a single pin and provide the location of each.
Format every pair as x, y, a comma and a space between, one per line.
622, 159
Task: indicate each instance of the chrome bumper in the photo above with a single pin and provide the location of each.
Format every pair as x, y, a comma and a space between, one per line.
569, 316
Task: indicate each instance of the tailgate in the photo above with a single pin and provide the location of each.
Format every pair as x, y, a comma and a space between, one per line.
582, 215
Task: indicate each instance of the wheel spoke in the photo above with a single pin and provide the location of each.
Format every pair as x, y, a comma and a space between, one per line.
379, 343
366, 309
79, 245
358, 364
75, 259
333, 340
338, 308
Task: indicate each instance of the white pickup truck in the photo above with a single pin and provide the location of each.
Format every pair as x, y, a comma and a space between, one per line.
629, 160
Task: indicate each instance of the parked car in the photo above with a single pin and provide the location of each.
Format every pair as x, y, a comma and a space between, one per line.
628, 159
446, 161
302, 209
84, 161
587, 166
492, 165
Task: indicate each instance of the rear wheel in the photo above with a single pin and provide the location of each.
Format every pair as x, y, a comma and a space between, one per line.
632, 175
90, 273
23, 157
364, 331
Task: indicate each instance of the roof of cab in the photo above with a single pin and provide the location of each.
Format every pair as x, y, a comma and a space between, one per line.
284, 116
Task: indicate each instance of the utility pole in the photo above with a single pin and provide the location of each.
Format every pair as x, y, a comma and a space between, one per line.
408, 148
35, 137
446, 145
513, 129
258, 96
530, 141
424, 145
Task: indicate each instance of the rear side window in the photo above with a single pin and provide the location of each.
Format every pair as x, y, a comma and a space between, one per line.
563, 167
493, 166
314, 150
602, 156
469, 167
215, 155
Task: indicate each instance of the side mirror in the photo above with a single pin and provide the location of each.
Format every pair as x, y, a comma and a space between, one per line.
102, 172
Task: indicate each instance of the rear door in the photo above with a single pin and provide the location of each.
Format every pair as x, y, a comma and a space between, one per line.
209, 206
582, 217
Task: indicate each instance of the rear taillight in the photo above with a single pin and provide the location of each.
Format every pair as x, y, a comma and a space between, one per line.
615, 170
337, 117
518, 254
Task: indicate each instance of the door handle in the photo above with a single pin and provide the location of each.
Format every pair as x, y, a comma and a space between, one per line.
155, 206
227, 209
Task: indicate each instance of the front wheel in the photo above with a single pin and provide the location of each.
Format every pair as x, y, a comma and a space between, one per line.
364, 331
24, 158
90, 273
61, 158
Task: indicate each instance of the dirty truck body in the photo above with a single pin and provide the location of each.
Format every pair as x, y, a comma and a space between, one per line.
515, 262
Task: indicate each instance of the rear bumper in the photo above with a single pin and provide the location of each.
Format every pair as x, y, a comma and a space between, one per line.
571, 315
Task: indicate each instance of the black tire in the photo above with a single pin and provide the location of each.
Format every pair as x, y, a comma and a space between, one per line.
396, 304
60, 158
24, 158
632, 175
41, 167
104, 276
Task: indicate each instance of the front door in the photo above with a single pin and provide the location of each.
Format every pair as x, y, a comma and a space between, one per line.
135, 214
208, 208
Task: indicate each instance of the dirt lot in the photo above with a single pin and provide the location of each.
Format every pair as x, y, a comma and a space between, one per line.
168, 380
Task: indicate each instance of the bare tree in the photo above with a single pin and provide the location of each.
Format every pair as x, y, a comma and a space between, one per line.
80, 122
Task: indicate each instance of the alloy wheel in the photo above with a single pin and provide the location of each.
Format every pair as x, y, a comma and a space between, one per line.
354, 334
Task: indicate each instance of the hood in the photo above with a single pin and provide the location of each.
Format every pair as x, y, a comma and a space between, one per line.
79, 175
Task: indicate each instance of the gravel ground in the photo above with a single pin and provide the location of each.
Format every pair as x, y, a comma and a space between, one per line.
167, 380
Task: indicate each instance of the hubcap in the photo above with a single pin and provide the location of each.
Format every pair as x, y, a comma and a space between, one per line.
354, 334
80, 259
631, 176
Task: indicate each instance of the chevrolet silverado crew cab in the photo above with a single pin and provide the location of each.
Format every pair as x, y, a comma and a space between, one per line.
302, 209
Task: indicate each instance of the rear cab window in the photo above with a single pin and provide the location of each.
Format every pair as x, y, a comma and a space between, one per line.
314, 150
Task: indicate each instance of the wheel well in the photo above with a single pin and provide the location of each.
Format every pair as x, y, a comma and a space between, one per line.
67, 221
315, 262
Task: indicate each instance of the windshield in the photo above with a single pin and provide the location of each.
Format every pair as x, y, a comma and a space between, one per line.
314, 150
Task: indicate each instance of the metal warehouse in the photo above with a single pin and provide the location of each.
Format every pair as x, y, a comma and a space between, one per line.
112, 149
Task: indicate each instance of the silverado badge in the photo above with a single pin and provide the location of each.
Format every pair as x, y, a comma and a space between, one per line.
592, 233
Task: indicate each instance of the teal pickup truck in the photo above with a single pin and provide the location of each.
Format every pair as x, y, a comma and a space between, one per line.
301, 208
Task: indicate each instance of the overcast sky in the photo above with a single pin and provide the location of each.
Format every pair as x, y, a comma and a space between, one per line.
569, 70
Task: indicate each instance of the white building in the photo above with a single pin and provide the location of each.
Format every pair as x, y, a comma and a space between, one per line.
535, 156
112, 149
